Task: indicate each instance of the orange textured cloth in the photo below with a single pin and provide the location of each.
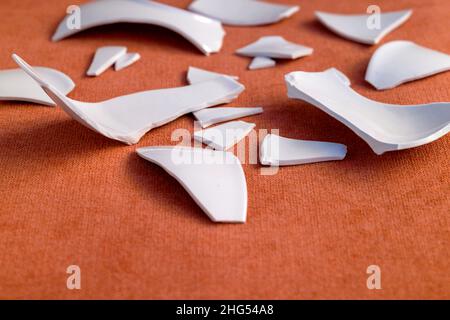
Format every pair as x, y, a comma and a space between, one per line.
71, 196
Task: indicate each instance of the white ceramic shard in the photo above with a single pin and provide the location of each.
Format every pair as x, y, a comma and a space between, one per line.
357, 27
261, 63
206, 34
210, 116
127, 118
17, 85
275, 47
214, 179
104, 58
196, 75
243, 12
398, 62
385, 127
280, 151
224, 136
126, 61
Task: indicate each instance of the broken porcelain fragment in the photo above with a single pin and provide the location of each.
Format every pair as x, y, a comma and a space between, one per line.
385, 127
104, 58
280, 151
275, 47
398, 62
214, 179
196, 75
224, 136
206, 34
357, 27
126, 60
243, 12
127, 118
261, 63
210, 116
17, 85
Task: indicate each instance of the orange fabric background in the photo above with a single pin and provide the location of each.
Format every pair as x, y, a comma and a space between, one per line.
71, 196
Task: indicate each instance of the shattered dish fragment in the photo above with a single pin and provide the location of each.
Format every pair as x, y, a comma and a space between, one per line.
17, 85
208, 117
196, 75
261, 63
224, 136
398, 62
385, 127
280, 151
357, 27
206, 34
127, 118
243, 12
126, 61
104, 58
214, 179
275, 47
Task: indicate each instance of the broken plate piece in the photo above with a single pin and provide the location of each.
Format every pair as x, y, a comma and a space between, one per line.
104, 58
280, 151
127, 118
206, 34
214, 179
17, 85
196, 75
261, 63
398, 62
243, 12
210, 116
385, 127
224, 136
126, 60
357, 27
275, 47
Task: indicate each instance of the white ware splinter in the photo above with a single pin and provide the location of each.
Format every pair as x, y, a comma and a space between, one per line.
261, 63
385, 127
214, 179
104, 58
243, 12
196, 75
205, 33
127, 118
210, 116
358, 27
17, 85
398, 62
275, 47
224, 136
280, 151
127, 60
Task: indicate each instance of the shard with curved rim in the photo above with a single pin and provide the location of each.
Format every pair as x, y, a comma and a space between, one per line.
127, 118
355, 26
206, 34
385, 127
398, 62
214, 179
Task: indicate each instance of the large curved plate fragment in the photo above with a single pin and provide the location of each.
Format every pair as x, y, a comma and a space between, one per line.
385, 127
243, 12
16, 85
127, 118
206, 34
398, 62
214, 179
356, 27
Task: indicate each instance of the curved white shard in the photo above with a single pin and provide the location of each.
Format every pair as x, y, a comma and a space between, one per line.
214, 179
356, 27
17, 85
127, 118
206, 34
275, 47
196, 75
398, 62
280, 151
385, 127
126, 61
261, 63
243, 12
104, 58
210, 116
224, 136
